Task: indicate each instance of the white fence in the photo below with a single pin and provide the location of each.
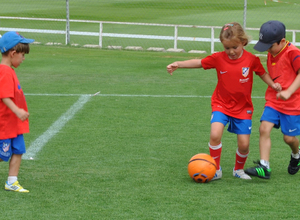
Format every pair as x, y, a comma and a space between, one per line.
101, 32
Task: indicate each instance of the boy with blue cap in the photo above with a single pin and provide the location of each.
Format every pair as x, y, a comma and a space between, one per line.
13, 108
282, 109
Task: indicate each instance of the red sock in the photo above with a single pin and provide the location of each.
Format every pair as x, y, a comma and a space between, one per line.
240, 160
215, 152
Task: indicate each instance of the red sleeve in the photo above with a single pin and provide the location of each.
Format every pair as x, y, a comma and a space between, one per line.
258, 67
7, 85
209, 62
295, 58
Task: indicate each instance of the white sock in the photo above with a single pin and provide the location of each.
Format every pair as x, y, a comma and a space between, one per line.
296, 156
265, 163
12, 179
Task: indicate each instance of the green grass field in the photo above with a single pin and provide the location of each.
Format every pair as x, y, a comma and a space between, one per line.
124, 153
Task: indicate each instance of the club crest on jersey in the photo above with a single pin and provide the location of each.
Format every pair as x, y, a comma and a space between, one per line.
5, 147
245, 72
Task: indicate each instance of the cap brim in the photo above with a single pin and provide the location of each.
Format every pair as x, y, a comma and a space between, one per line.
261, 47
26, 41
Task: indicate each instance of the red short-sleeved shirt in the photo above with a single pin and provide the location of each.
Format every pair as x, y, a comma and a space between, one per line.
232, 95
283, 68
10, 124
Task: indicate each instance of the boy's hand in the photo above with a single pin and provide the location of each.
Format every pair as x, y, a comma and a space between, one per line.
284, 95
172, 67
19, 112
277, 87
22, 114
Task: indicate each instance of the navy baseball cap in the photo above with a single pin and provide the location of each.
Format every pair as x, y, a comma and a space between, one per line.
11, 39
270, 32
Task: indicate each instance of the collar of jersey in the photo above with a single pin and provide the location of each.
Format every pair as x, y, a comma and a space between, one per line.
287, 43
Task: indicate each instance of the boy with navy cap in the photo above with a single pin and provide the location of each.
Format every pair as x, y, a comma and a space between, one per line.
13, 108
282, 109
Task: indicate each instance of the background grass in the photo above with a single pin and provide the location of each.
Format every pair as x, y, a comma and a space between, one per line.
124, 155
189, 12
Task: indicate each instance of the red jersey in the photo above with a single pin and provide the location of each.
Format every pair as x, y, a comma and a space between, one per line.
232, 95
283, 69
10, 124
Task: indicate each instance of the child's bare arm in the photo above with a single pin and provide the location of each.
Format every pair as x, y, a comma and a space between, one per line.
194, 63
268, 80
286, 94
20, 113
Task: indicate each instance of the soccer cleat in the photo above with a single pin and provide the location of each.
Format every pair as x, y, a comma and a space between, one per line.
16, 187
218, 174
294, 165
260, 171
241, 174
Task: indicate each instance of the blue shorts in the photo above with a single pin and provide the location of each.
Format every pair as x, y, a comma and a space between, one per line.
290, 124
8, 147
237, 126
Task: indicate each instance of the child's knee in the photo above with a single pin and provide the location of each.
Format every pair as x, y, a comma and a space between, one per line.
264, 130
243, 147
290, 140
215, 138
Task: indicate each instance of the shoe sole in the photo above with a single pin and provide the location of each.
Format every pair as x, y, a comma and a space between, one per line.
16, 191
291, 171
262, 177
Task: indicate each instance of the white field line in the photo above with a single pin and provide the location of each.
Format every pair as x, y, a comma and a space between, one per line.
38, 144
129, 95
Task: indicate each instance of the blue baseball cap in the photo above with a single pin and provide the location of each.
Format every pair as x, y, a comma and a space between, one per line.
11, 39
270, 33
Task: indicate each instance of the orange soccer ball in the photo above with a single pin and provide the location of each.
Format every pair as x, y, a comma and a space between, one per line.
202, 168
